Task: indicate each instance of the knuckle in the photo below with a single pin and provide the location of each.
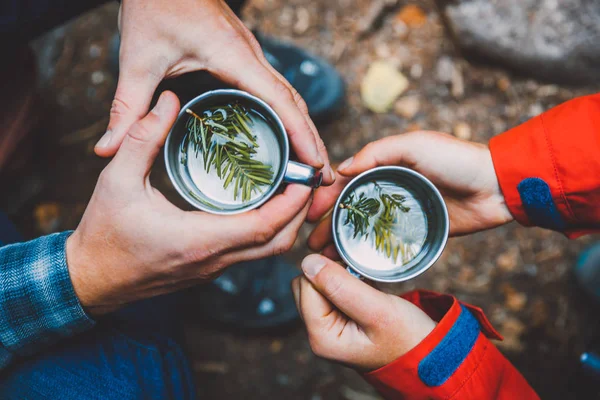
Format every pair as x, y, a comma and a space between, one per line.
108, 177
139, 133
332, 286
370, 147
119, 107
264, 234
318, 346
283, 90
284, 245
299, 101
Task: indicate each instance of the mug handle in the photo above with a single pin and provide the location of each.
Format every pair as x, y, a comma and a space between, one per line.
354, 273
303, 175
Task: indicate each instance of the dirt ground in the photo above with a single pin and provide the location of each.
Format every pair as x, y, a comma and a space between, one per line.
521, 277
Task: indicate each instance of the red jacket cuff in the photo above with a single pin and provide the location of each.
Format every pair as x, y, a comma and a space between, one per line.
403, 377
549, 170
482, 373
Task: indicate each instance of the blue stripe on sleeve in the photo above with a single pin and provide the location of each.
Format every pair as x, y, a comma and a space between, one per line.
449, 354
538, 204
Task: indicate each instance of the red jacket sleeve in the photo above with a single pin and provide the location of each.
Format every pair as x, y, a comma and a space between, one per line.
455, 361
549, 168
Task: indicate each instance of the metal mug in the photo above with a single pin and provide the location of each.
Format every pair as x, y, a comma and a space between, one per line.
289, 171
438, 225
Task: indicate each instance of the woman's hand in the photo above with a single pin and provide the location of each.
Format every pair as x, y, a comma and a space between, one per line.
132, 243
352, 323
462, 171
166, 38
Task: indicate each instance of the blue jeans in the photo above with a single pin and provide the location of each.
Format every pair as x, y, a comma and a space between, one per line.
133, 354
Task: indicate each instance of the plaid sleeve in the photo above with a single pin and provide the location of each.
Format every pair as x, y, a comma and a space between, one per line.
38, 305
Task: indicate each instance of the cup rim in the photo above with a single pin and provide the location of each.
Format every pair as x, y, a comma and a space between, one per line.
417, 271
281, 135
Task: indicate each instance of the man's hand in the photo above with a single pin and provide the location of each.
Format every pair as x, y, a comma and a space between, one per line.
462, 171
352, 323
133, 244
167, 38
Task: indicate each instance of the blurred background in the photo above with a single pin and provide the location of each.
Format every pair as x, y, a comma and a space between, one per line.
471, 68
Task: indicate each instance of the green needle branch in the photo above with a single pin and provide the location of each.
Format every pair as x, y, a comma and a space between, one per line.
379, 217
223, 135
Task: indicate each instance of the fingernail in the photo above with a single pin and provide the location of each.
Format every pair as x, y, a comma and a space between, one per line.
346, 163
331, 173
312, 265
320, 159
161, 106
105, 139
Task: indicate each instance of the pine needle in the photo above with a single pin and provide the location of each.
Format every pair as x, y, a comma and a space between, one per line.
379, 217
224, 135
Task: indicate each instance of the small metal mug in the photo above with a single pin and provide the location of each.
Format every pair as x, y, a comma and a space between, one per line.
289, 172
438, 225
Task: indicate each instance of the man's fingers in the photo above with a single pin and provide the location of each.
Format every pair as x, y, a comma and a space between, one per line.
255, 228
251, 75
145, 138
356, 299
296, 293
331, 252
281, 242
314, 308
325, 198
322, 235
131, 102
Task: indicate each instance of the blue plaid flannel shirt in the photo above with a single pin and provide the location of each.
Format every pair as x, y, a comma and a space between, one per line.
38, 305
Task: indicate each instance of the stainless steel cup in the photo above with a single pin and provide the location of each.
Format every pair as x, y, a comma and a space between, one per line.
289, 172
433, 205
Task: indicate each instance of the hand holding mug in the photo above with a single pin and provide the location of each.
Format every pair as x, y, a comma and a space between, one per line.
352, 323
462, 171
133, 244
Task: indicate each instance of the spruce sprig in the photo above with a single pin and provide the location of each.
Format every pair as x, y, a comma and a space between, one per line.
224, 137
359, 212
380, 217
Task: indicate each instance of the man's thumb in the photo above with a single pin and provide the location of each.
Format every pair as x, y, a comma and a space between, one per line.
145, 138
131, 103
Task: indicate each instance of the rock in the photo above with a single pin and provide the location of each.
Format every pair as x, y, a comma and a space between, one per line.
381, 86
302, 21
400, 29
97, 77
508, 260
47, 217
511, 329
445, 69
539, 313
535, 109
212, 367
373, 15
416, 71
457, 83
350, 394
548, 39
286, 17
95, 51
412, 15
503, 83
407, 106
514, 300
462, 130
548, 90
382, 50
276, 346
